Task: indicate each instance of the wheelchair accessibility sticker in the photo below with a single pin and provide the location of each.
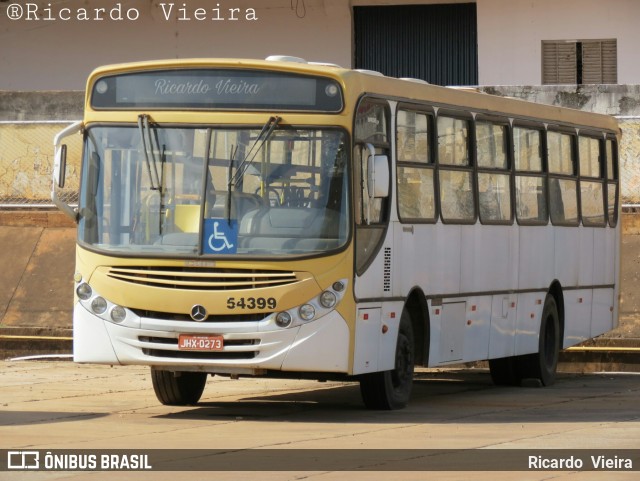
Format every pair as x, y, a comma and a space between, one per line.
220, 236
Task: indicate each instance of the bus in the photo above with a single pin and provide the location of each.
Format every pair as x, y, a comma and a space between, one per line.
284, 218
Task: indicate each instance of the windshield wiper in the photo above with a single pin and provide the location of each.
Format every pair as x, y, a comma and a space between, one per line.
263, 136
232, 158
149, 151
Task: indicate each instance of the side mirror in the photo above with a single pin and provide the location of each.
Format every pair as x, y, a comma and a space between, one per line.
377, 174
60, 167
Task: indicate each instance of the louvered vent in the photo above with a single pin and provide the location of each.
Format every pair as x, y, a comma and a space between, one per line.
387, 269
599, 62
189, 278
580, 61
559, 64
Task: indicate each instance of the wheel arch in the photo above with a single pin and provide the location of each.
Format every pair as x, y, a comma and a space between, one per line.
418, 309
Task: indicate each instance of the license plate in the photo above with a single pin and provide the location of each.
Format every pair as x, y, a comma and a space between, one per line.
198, 342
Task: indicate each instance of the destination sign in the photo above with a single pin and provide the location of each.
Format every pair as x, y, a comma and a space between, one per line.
220, 89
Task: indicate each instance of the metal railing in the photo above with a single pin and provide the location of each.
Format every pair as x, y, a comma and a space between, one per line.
26, 163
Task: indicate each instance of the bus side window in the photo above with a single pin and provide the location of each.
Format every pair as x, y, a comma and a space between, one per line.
531, 186
611, 149
457, 200
563, 183
415, 170
494, 178
591, 181
371, 128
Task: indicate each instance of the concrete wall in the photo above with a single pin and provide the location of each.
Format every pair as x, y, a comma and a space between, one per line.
59, 54
622, 101
619, 100
41, 106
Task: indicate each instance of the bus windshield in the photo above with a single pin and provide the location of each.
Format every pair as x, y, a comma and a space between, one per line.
165, 190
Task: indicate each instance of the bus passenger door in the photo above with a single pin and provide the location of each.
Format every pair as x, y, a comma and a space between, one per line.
372, 206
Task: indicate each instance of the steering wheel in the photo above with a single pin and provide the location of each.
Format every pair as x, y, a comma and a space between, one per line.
273, 196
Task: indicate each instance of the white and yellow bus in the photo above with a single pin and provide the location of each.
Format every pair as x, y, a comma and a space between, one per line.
284, 218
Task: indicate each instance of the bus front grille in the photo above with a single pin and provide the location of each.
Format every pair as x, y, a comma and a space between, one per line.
185, 317
202, 279
212, 356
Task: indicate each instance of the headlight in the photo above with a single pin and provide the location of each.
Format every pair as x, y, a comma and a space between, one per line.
313, 309
283, 319
118, 313
99, 305
93, 302
307, 312
328, 299
84, 291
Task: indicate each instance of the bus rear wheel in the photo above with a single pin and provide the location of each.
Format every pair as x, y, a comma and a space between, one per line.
543, 364
389, 390
178, 388
540, 366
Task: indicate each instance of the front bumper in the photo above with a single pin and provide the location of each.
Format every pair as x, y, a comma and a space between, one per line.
319, 346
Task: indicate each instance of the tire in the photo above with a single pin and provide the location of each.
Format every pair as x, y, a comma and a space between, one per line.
541, 366
178, 388
392, 389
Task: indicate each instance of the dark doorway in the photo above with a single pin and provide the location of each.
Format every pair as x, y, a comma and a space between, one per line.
436, 43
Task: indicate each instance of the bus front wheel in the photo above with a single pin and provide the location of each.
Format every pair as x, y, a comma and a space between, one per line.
392, 389
178, 388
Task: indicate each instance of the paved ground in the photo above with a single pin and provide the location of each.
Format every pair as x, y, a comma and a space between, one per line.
61, 405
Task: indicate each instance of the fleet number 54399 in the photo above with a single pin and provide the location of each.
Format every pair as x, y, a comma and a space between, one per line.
251, 303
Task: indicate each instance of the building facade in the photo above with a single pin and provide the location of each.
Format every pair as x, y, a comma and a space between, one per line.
575, 53
54, 45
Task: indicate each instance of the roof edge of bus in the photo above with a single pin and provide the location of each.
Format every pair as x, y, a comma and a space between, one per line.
471, 96
280, 62
294, 63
